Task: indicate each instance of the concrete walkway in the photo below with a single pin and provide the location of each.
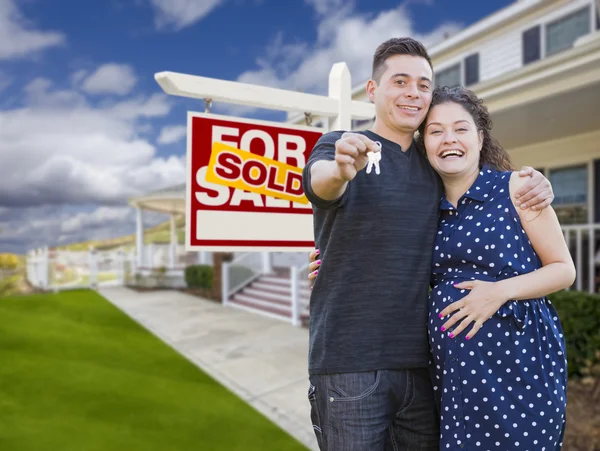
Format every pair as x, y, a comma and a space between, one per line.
262, 360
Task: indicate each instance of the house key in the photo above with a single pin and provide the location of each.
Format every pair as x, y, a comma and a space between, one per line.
374, 158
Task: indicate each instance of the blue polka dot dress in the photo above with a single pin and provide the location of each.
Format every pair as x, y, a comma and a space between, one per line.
505, 389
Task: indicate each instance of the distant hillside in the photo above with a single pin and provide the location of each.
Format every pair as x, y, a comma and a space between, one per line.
160, 233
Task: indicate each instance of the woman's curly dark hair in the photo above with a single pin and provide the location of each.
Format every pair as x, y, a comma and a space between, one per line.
492, 153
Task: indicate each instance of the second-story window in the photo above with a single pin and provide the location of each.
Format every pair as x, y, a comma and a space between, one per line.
472, 69
562, 33
531, 45
448, 77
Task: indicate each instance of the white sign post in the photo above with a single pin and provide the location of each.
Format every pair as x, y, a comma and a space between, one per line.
244, 188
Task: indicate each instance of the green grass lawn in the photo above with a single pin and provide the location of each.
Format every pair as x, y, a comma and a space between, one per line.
77, 374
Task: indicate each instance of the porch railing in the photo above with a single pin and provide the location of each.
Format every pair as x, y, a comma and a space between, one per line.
240, 272
585, 250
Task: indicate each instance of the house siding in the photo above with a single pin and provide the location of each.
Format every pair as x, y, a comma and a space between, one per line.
501, 51
501, 55
568, 151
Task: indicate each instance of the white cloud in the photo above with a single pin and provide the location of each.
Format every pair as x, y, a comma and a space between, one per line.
342, 36
109, 78
18, 37
172, 133
59, 150
326, 7
23, 229
98, 218
178, 14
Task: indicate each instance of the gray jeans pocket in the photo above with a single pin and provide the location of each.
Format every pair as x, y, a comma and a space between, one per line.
352, 386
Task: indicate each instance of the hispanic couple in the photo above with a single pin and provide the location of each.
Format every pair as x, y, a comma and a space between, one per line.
430, 326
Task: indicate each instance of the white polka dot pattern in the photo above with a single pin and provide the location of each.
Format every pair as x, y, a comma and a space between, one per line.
505, 388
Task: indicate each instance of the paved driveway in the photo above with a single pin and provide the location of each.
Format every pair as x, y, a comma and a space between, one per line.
262, 360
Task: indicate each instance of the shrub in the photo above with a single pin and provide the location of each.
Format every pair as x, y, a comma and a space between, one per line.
199, 276
579, 314
9, 261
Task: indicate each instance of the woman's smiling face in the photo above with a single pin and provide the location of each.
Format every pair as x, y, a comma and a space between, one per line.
452, 141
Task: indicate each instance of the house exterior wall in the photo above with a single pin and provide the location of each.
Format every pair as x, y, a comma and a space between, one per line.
569, 151
501, 49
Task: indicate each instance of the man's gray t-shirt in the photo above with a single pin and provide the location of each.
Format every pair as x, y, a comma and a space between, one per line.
368, 306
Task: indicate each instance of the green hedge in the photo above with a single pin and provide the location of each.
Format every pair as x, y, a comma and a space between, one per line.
199, 276
579, 314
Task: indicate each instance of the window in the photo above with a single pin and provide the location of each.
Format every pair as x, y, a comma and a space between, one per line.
448, 77
562, 33
472, 69
570, 186
531, 45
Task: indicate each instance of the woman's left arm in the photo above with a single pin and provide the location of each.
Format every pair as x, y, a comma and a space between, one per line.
546, 237
557, 272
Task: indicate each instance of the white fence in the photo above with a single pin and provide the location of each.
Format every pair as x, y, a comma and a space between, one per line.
61, 270
159, 255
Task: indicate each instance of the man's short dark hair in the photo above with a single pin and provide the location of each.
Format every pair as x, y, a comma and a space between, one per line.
396, 46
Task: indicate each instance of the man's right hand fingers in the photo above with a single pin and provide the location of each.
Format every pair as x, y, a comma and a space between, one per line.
347, 148
344, 159
360, 142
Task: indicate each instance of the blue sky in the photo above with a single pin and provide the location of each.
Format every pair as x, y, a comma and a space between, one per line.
84, 126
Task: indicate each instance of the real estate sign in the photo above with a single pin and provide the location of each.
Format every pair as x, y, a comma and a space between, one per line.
244, 184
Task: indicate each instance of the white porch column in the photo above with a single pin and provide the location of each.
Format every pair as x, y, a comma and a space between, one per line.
266, 263
139, 237
173, 247
340, 88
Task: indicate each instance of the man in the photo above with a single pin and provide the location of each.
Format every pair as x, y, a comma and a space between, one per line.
368, 353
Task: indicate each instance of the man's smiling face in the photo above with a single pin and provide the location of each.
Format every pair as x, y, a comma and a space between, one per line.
403, 94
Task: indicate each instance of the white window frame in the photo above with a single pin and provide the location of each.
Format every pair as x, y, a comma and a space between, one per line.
557, 15
590, 183
575, 10
460, 62
461, 71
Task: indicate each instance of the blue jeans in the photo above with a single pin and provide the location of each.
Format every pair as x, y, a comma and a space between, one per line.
384, 410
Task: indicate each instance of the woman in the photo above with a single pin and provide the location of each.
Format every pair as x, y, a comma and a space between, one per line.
498, 352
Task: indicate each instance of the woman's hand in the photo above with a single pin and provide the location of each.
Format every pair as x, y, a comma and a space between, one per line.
314, 265
478, 306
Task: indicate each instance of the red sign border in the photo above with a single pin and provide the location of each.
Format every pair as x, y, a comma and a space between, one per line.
234, 245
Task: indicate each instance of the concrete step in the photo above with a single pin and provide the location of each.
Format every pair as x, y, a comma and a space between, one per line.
252, 301
271, 295
280, 281
277, 288
265, 295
